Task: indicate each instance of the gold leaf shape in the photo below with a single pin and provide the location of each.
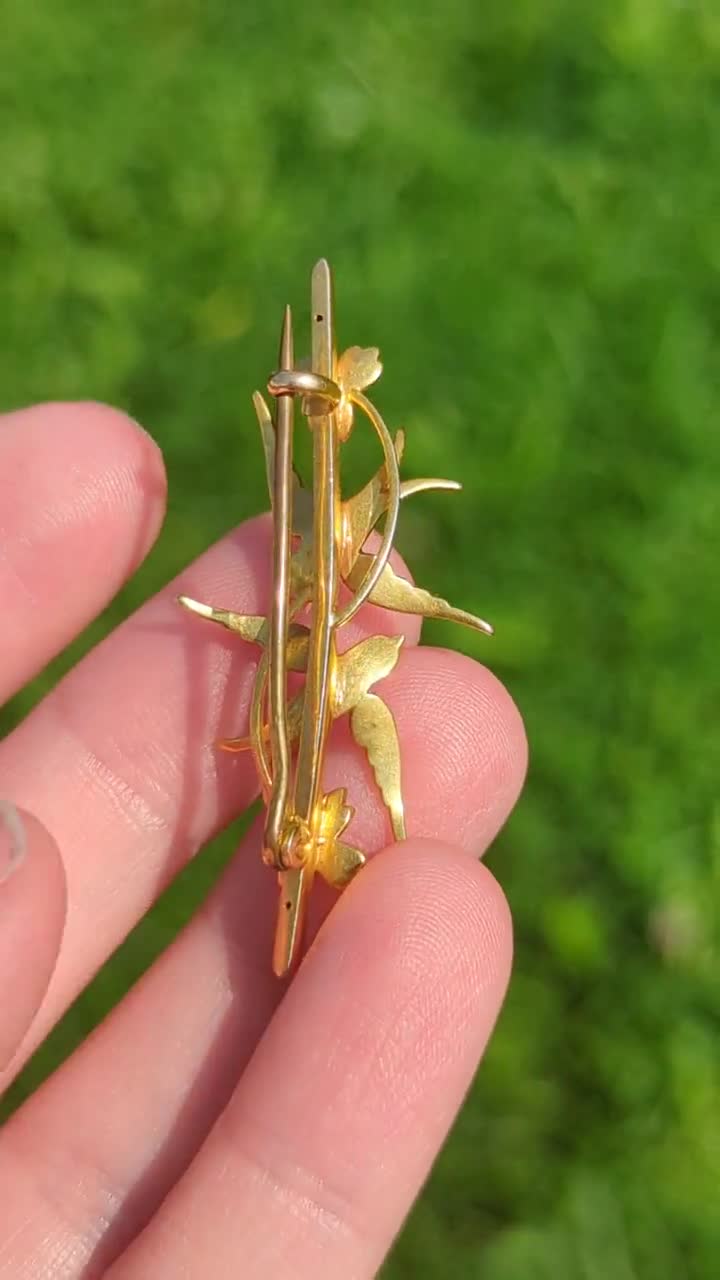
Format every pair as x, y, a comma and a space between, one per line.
373, 727
361, 513
335, 814
340, 864
360, 668
297, 647
357, 670
267, 435
254, 629
344, 418
423, 485
294, 721
337, 862
357, 368
251, 627
393, 592
235, 745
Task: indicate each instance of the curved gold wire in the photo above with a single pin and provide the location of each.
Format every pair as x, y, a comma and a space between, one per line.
382, 556
257, 703
368, 584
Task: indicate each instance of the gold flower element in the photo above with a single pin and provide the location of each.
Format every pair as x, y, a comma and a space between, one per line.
357, 368
337, 861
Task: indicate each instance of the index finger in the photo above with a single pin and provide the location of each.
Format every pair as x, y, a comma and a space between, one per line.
132, 784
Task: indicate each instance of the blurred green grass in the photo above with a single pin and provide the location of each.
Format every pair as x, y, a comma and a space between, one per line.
522, 206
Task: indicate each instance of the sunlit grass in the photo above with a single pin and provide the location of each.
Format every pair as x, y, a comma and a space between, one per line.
521, 205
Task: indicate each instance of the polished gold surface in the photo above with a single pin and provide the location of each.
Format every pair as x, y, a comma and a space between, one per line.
319, 551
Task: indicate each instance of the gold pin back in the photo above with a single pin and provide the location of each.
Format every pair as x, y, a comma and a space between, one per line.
318, 545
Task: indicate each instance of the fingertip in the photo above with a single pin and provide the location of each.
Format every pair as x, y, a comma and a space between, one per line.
91, 418
67, 465
33, 905
482, 744
463, 753
114, 434
429, 898
505, 721
82, 499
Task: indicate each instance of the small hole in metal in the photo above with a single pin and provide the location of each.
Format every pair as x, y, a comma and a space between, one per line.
288, 906
319, 318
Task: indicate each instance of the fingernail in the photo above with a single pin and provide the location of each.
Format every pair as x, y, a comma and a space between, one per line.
13, 840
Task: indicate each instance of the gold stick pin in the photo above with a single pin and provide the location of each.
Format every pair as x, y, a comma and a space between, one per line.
319, 544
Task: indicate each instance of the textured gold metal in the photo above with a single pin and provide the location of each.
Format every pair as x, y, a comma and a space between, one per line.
319, 549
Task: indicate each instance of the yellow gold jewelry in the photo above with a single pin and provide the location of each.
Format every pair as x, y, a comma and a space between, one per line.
318, 544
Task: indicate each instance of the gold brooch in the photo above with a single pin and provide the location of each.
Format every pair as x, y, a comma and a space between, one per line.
319, 543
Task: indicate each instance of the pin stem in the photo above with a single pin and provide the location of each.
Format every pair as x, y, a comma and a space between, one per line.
295, 883
282, 524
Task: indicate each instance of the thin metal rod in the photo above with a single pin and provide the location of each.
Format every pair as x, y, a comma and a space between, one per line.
295, 883
315, 722
382, 555
282, 547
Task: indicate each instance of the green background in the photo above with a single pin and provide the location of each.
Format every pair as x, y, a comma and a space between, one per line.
521, 202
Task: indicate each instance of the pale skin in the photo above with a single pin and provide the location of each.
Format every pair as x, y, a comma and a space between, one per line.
220, 1123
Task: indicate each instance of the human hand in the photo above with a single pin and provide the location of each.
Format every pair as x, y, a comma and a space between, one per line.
219, 1123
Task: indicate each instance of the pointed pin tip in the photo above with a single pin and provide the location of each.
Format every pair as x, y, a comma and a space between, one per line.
194, 606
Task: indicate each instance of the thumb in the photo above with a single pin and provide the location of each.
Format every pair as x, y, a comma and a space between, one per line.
32, 916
